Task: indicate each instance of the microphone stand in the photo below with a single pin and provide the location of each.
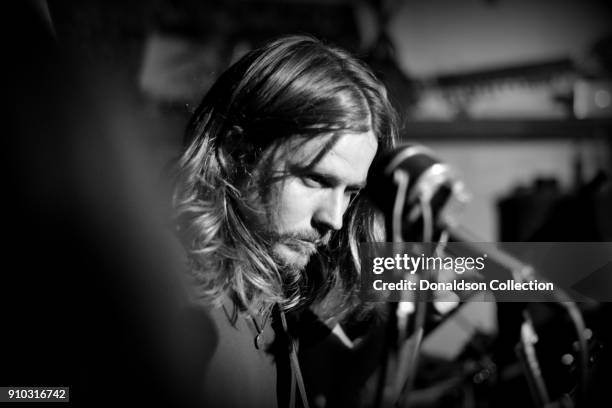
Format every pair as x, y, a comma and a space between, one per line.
406, 370
432, 186
525, 350
420, 313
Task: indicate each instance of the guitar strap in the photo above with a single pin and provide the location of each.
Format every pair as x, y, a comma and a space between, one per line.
296, 372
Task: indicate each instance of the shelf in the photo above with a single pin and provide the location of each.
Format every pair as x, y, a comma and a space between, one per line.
506, 129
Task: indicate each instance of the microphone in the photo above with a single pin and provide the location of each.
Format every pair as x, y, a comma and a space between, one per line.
410, 184
402, 179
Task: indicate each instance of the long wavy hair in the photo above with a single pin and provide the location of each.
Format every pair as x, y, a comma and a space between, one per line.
295, 86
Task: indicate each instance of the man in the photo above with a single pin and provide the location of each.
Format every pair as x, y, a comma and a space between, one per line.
269, 206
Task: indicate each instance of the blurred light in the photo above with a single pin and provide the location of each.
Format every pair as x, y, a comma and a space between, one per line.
602, 98
593, 99
567, 359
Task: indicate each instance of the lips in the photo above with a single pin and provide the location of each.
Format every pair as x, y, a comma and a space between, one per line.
303, 246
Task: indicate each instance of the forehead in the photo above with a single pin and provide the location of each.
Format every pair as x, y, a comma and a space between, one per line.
346, 156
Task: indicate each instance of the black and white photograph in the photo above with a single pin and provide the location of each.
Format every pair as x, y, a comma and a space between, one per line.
307, 204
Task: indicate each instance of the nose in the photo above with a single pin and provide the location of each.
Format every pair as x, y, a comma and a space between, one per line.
330, 210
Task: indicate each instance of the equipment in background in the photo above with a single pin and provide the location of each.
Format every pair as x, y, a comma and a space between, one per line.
417, 194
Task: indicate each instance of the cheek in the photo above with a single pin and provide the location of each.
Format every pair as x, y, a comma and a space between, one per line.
293, 205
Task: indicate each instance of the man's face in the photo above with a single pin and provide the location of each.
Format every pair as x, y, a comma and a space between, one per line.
300, 211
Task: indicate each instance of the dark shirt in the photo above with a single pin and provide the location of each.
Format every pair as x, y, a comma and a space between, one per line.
238, 374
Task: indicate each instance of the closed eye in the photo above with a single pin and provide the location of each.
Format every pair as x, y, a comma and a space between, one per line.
316, 181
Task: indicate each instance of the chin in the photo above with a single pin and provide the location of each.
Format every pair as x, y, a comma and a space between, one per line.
290, 258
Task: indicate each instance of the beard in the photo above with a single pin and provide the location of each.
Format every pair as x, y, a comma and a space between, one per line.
293, 251
301, 259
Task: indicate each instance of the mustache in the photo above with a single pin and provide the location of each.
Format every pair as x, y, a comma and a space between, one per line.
308, 236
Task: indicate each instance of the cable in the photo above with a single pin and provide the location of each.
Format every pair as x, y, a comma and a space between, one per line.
428, 223
576, 317
530, 361
402, 179
420, 312
296, 372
